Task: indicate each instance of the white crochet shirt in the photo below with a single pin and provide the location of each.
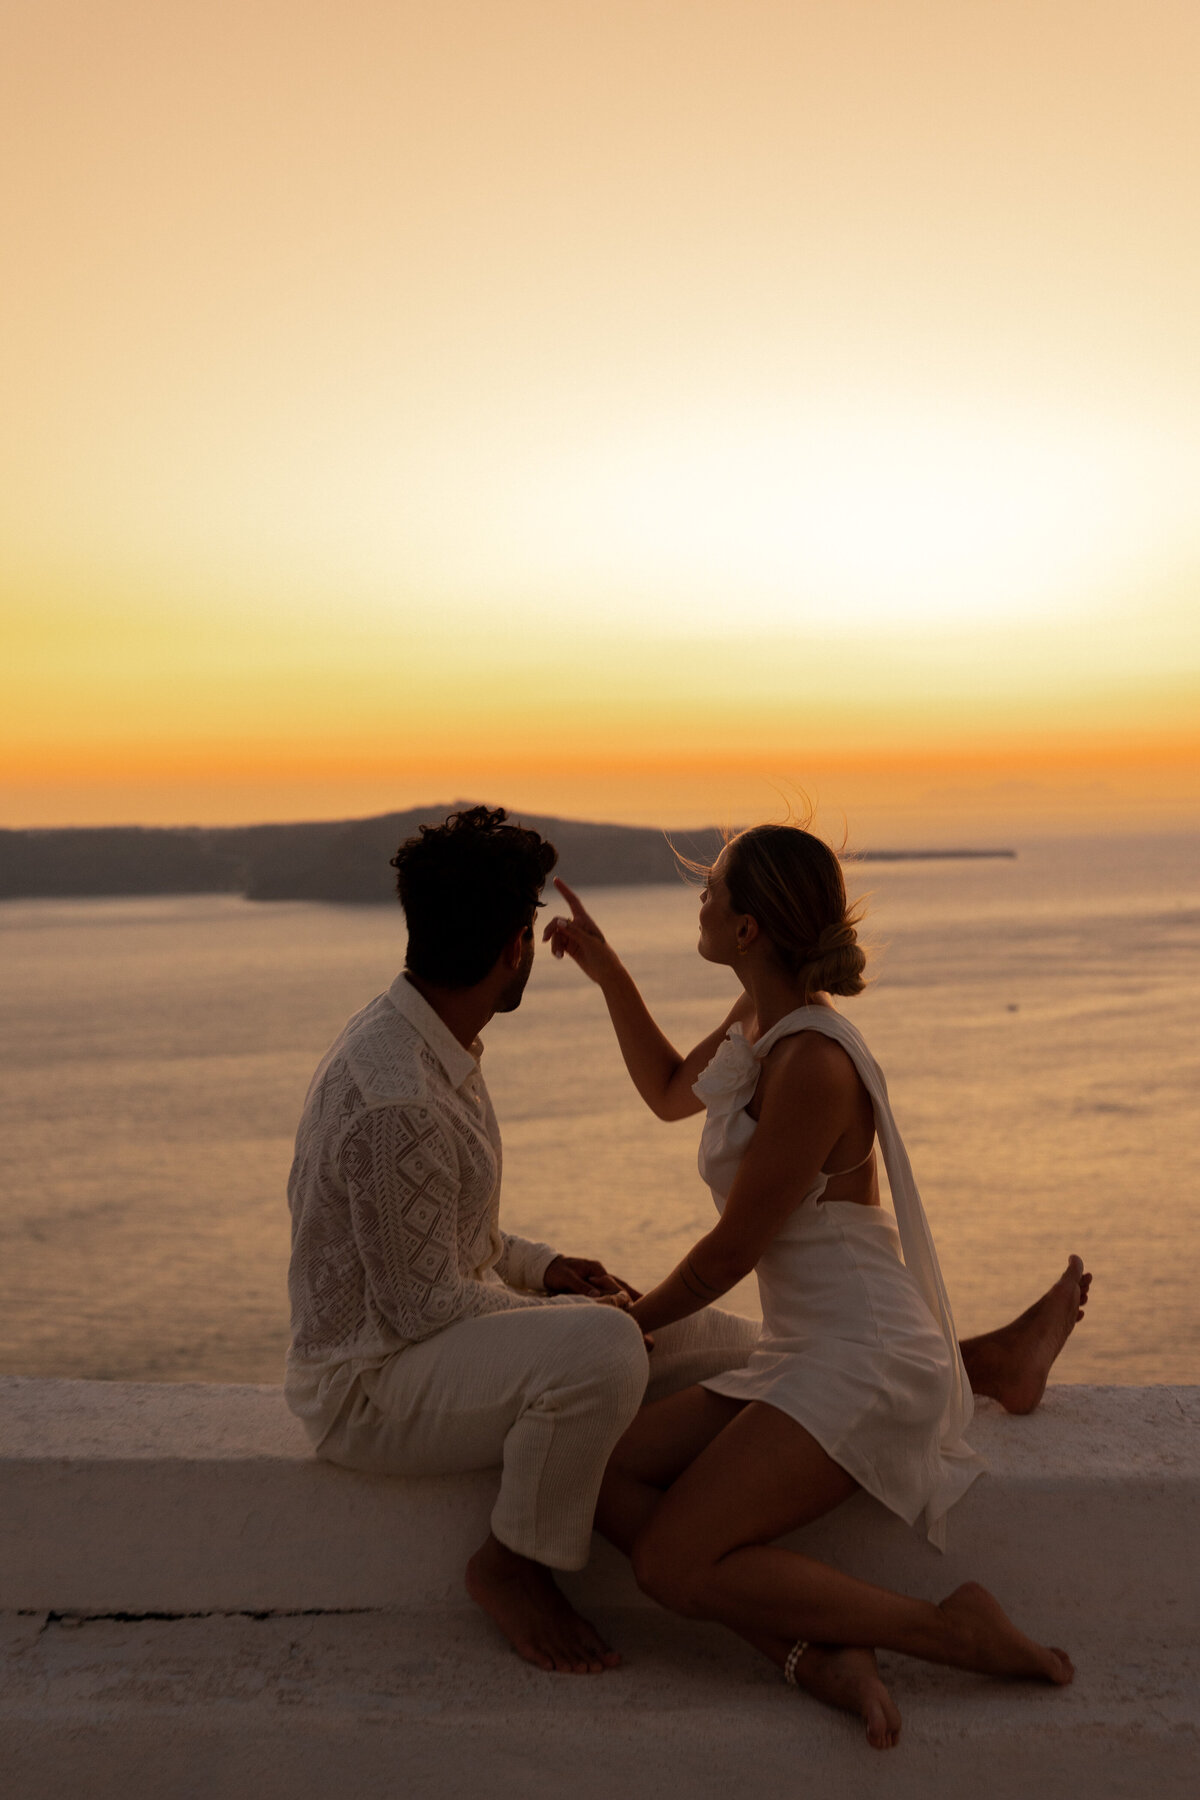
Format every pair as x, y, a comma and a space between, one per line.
394, 1194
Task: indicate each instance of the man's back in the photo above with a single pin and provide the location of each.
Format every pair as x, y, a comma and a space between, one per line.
394, 1195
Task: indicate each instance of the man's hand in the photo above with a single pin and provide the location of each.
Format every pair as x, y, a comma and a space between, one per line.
584, 1275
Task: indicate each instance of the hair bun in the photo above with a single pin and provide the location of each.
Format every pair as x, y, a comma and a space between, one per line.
835, 962
839, 935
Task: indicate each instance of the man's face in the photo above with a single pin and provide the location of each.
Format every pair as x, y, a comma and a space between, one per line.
510, 997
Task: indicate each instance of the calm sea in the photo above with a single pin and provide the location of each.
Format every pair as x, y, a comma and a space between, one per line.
1037, 1020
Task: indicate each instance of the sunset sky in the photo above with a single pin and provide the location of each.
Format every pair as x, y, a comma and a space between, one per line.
625, 409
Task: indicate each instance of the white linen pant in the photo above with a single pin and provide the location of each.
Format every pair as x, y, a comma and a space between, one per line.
544, 1391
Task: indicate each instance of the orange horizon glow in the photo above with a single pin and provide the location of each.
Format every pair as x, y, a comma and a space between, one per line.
1062, 754
1064, 782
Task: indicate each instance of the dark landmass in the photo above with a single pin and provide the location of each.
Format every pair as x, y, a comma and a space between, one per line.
341, 859
929, 855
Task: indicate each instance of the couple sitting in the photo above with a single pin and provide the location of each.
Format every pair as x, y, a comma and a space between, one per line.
427, 1341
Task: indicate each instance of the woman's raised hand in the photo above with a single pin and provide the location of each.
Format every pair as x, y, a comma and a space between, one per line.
579, 937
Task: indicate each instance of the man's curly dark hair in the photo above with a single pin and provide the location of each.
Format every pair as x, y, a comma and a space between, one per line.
467, 887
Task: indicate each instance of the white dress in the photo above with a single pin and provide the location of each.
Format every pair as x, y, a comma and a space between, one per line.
858, 1343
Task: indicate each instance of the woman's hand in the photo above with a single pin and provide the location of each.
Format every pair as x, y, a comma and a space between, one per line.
580, 938
661, 1076
583, 1275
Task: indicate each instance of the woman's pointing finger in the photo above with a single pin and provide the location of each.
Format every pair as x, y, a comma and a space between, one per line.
579, 911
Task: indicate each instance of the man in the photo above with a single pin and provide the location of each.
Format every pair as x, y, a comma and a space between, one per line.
427, 1341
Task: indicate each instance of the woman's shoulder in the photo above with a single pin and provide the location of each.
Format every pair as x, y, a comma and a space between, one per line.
807, 1043
806, 1075
807, 1053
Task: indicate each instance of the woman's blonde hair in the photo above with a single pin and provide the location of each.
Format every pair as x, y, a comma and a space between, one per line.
791, 883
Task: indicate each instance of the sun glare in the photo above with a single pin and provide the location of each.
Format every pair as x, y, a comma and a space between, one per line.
876, 522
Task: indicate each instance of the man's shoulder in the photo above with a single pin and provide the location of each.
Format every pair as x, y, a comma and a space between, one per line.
386, 1058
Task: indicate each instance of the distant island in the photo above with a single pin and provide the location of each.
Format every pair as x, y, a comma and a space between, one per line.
340, 860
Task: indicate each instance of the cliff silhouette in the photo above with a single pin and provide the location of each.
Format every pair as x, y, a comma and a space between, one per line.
337, 860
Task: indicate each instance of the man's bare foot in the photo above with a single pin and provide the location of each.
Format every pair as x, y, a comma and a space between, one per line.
984, 1638
1011, 1365
846, 1677
522, 1599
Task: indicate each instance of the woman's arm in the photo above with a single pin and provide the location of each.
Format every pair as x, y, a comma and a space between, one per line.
807, 1100
660, 1074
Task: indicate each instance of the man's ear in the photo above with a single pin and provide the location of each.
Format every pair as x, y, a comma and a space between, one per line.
513, 953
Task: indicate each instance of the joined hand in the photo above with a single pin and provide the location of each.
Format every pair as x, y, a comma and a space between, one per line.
584, 1275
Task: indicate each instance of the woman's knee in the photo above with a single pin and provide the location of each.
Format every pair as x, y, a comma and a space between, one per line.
669, 1578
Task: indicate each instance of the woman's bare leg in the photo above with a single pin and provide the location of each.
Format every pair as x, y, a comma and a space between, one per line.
709, 1552
661, 1442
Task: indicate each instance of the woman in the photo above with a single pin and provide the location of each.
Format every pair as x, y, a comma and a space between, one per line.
856, 1380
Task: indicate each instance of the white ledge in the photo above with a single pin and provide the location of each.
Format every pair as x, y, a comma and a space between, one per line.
133, 1500
140, 1498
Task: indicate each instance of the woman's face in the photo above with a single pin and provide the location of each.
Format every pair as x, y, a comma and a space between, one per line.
718, 921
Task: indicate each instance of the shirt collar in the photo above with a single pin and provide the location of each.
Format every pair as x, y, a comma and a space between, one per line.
458, 1063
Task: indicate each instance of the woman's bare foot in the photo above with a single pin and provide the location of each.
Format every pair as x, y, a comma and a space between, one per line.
1011, 1365
521, 1598
849, 1678
984, 1638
